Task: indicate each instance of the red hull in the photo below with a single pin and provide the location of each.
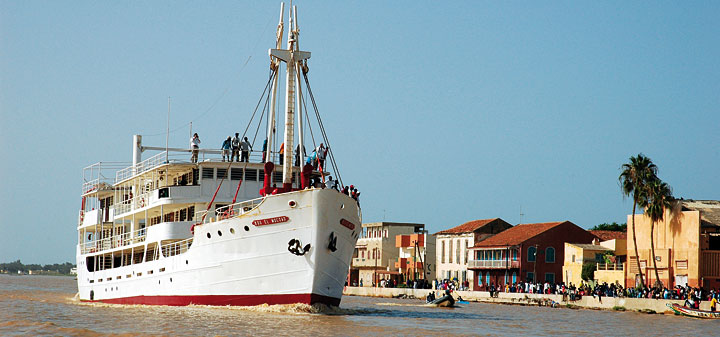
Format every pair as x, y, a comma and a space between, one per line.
235, 300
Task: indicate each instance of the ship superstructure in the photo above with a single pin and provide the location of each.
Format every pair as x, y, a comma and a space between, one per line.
169, 231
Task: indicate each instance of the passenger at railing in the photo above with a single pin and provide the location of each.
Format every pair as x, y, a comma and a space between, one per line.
312, 160
346, 191
245, 148
195, 146
332, 183
226, 145
235, 143
321, 153
297, 154
282, 153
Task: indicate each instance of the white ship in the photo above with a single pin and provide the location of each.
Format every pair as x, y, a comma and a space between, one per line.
170, 231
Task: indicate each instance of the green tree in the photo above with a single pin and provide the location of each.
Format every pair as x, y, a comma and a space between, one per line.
615, 227
634, 179
659, 198
588, 271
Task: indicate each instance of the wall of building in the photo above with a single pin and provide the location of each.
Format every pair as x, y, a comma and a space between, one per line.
378, 237
453, 261
677, 248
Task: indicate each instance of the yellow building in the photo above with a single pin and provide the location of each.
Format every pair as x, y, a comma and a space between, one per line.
687, 246
577, 254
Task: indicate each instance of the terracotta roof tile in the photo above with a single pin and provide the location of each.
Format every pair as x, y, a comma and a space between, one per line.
517, 234
467, 227
609, 235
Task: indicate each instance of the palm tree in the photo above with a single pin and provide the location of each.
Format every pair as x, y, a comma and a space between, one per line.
633, 181
659, 199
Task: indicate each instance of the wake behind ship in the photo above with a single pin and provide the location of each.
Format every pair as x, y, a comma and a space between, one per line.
171, 230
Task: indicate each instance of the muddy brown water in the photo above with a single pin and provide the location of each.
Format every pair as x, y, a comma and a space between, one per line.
46, 306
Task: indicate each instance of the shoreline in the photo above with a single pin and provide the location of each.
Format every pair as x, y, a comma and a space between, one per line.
643, 305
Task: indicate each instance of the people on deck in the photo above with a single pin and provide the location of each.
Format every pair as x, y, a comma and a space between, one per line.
282, 153
332, 183
321, 152
245, 148
226, 145
195, 147
235, 143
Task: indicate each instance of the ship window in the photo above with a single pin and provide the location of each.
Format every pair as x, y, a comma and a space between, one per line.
208, 172
150, 272
208, 235
236, 174
219, 233
161, 270
232, 230
109, 279
128, 276
261, 175
92, 281
118, 277
251, 175
222, 173
100, 280
139, 274
247, 228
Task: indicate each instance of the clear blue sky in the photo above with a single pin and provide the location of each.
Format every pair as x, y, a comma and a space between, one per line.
440, 113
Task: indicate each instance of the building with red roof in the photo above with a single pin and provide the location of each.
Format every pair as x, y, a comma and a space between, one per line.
452, 246
524, 251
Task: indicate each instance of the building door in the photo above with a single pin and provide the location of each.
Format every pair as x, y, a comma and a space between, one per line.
681, 280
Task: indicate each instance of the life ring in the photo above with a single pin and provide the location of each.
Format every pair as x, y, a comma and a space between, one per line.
142, 202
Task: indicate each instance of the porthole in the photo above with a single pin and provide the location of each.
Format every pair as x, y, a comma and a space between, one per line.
232, 230
186, 261
292, 203
158, 281
171, 279
247, 228
219, 233
342, 206
208, 235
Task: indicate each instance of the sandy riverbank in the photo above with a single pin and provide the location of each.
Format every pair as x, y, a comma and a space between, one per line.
587, 302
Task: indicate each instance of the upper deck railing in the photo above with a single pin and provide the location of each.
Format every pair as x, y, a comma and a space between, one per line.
228, 211
115, 241
492, 264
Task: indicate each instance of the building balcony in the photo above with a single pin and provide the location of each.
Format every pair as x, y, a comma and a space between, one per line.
405, 263
492, 264
409, 241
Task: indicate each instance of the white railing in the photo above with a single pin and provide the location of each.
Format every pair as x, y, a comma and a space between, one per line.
609, 266
176, 248
141, 167
493, 264
114, 241
228, 211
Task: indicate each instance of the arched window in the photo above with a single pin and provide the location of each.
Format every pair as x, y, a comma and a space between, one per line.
550, 254
487, 277
531, 254
514, 277
479, 278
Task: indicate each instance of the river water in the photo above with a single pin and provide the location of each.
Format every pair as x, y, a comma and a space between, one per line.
45, 306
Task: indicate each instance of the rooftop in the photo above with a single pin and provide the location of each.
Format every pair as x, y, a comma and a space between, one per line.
590, 246
709, 210
518, 234
609, 235
467, 227
383, 223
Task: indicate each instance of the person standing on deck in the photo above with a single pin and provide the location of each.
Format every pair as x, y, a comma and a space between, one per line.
321, 153
282, 153
226, 149
245, 148
235, 148
195, 146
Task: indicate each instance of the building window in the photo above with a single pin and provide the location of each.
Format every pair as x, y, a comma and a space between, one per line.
514, 277
457, 251
479, 278
487, 277
550, 278
450, 251
442, 251
573, 258
514, 255
550, 254
531, 254
506, 277
530, 276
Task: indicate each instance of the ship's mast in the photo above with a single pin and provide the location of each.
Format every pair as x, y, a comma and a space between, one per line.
274, 65
290, 56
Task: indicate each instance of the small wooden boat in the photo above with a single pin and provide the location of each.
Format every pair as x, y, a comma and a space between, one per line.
681, 310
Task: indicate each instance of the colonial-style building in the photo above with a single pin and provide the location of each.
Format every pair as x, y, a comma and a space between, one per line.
416, 256
375, 252
524, 251
687, 246
453, 246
